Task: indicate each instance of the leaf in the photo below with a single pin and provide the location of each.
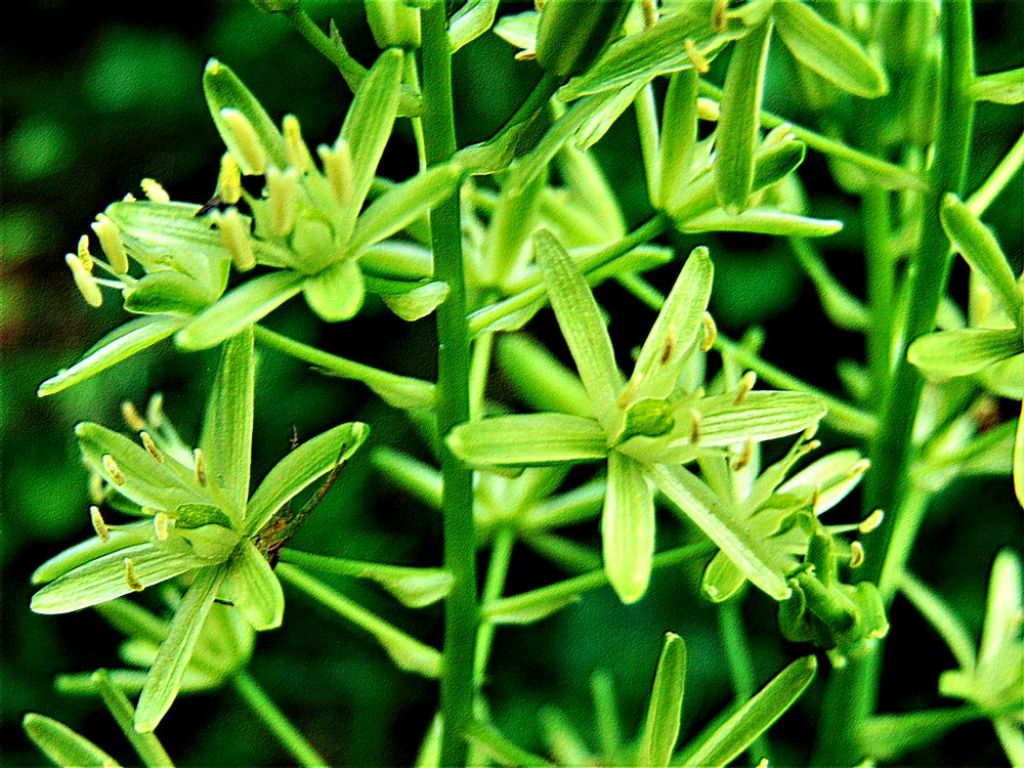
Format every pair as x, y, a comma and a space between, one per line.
678, 135
661, 727
146, 745
999, 87
728, 740
306, 463
831, 478
981, 250
762, 221
120, 538
167, 293
832, 53
529, 439
419, 302
254, 589
168, 668
722, 579
223, 91
127, 340
761, 416
627, 528
104, 578
740, 118
226, 439
674, 333
890, 737
694, 499
964, 351
63, 745
245, 305
369, 121
580, 321
336, 293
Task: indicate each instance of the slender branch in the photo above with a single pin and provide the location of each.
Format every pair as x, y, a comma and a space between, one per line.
351, 70
276, 722
998, 179
494, 584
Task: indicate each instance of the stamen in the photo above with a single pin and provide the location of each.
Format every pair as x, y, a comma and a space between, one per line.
697, 59
708, 109
150, 446
112, 469
718, 23
871, 522
84, 281
338, 168
200, 466
96, 488
160, 521
229, 181
857, 555
283, 195
743, 459
110, 240
695, 426
132, 416
155, 410
153, 190
253, 156
294, 146
860, 467
236, 239
131, 577
815, 499
747, 383
710, 332
650, 13
99, 524
84, 254
527, 55
670, 345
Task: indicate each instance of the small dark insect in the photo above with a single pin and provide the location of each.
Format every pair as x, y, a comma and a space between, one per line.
212, 204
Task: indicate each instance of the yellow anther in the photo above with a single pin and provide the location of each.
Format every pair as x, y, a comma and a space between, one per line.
710, 332
697, 59
235, 236
110, 241
129, 198
694, 426
670, 345
810, 432
99, 524
338, 168
131, 416
747, 382
111, 468
708, 109
253, 157
294, 146
131, 577
229, 180
84, 254
150, 446
84, 281
155, 410
860, 467
160, 523
96, 494
871, 522
856, 554
743, 459
812, 445
154, 190
200, 466
528, 55
650, 12
815, 499
283, 196
718, 23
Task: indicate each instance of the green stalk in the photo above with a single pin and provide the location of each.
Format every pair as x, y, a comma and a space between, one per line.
494, 585
457, 685
740, 661
881, 289
276, 722
852, 692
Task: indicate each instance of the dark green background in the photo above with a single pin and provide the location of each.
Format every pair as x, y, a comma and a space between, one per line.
97, 96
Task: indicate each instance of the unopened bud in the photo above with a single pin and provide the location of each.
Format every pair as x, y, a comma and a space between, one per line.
229, 182
283, 196
294, 146
84, 254
110, 241
200, 466
253, 158
697, 59
99, 524
131, 416
338, 169
160, 523
151, 448
747, 383
111, 468
153, 190
84, 281
710, 332
235, 237
130, 577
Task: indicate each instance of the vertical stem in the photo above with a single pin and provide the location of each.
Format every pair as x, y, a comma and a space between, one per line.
881, 289
741, 665
494, 585
452, 397
275, 720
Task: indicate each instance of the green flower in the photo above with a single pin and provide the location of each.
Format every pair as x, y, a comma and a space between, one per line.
201, 521
646, 428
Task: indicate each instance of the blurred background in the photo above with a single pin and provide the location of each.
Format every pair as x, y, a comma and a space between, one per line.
98, 96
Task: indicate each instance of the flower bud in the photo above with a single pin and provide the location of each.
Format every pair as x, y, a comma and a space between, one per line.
393, 23
572, 34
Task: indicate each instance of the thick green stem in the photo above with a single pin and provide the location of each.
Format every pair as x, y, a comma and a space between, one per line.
276, 722
452, 398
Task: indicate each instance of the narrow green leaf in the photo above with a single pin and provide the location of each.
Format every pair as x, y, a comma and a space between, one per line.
499, 748
403, 204
167, 293
627, 528
661, 727
763, 415
226, 439
245, 305
146, 745
254, 589
122, 537
127, 340
62, 745
774, 162
105, 578
942, 618
223, 91
890, 737
699, 503
722, 579
519, 30
739, 121
964, 351
399, 260
728, 740
308, 462
1000, 87
678, 135
832, 53
1003, 609
515, 216
168, 668
1018, 458
761, 221
529, 439
540, 379
369, 121
419, 302
674, 333
579, 317
337, 292
981, 250
831, 478
473, 19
